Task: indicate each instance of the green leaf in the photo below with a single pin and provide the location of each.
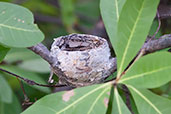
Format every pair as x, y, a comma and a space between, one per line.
68, 16
124, 95
110, 103
86, 100
5, 91
110, 12
112, 76
20, 54
29, 75
17, 28
41, 7
119, 106
36, 65
3, 52
89, 9
27, 60
150, 71
134, 23
164, 90
10, 108
149, 103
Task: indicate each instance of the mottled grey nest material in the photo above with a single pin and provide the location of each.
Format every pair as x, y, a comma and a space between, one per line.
81, 59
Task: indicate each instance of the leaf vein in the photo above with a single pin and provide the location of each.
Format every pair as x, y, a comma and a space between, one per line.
117, 100
141, 75
20, 29
146, 99
98, 97
117, 11
129, 39
81, 98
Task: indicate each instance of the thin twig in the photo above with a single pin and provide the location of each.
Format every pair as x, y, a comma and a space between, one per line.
158, 28
40, 49
31, 82
65, 88
26, 99
140, 54
149, 47
21, 85
157, 44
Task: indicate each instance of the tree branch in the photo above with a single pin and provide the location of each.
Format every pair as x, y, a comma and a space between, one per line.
159, 21
30, 82
148, 47
42, 50
164, 11
157, 44
152, 45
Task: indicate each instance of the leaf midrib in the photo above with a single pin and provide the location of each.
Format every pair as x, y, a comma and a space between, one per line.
117, 10
20, 29
129, 40
145, 99
98, 97
117, 100
81, 98
143, 74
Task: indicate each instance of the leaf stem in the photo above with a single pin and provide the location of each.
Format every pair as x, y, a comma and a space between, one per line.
30, 82
158, 28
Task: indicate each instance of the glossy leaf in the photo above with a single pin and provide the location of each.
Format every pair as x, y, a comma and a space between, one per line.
150, 103
17, 28
134, 24
119, 106
3, 52
87, 100
150, 71
29, 75
5, 91
110, 12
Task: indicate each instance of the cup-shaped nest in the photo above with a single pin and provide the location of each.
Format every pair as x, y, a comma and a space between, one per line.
81, 59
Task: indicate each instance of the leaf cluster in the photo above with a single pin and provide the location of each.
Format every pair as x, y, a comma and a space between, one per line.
127, 23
